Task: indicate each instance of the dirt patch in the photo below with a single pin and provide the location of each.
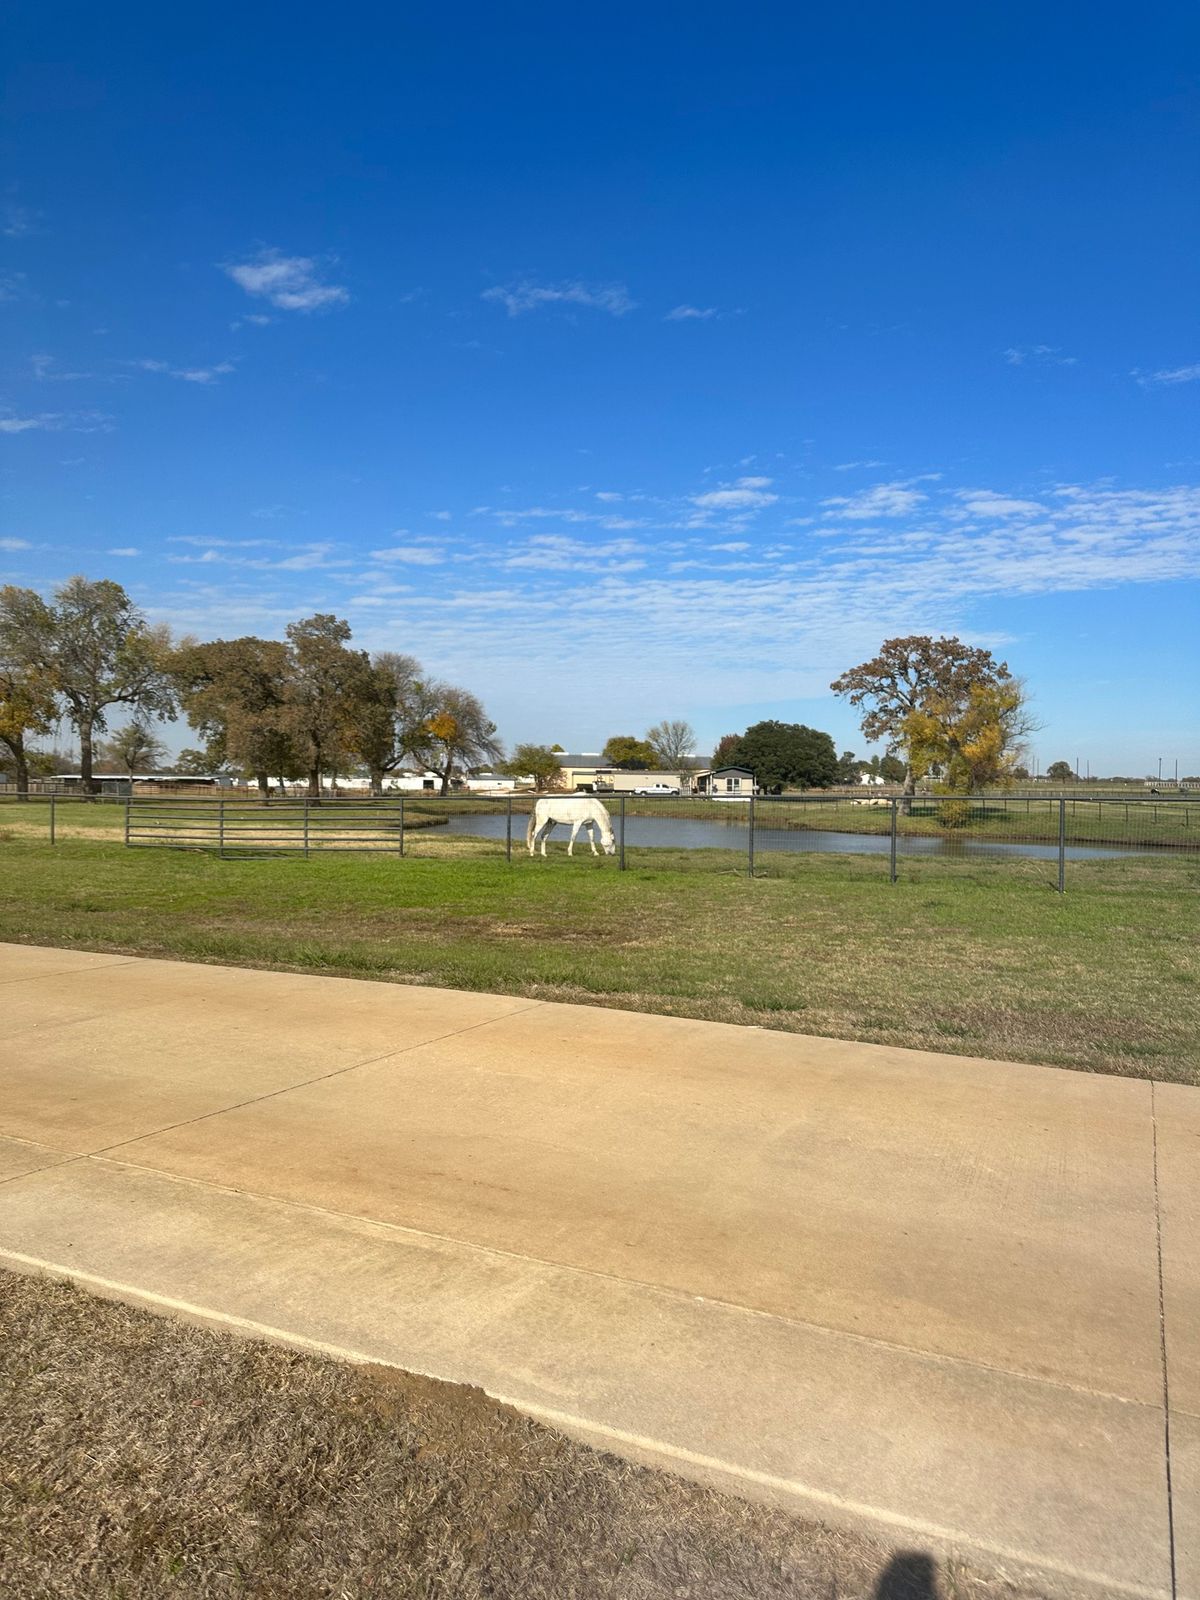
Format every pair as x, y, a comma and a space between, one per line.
144, 1458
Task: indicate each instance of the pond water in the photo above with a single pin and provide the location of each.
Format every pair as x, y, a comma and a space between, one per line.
688, 833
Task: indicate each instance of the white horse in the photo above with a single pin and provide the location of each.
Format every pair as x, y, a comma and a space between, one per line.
581, 811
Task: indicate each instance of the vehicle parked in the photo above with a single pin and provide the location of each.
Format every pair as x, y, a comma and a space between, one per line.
658, 788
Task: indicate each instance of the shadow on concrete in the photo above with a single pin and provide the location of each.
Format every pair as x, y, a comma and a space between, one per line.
909, 1575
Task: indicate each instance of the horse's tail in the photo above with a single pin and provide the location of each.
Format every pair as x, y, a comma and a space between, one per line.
532, 828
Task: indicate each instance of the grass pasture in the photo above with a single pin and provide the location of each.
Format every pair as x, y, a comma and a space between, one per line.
972, 957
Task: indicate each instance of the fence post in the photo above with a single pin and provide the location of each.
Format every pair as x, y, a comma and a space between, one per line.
750, 838
221, 827
128, 803
52, 816
1062, 846
508, 832
892, 842
306, 827
622, 833
401, 824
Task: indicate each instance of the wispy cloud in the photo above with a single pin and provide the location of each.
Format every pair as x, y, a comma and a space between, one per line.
13, 545
56, 422
1046, 355
884, 500
691, 314
413, 555
290, 283
1169, 375
526, 294
744, 494
201, 375
855, 466
123, 550
17, 221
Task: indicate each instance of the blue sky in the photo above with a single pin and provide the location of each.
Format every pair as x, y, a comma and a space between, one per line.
646, 362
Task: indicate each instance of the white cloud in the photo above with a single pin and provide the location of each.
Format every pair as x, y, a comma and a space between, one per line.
124, 550
411, 555
745, 494
733, 546
1038, 355
201, 375
884, 500
1170, 375
854, 466
985, 503
290, 283
15, 544
528, 295
690, 314
47, 420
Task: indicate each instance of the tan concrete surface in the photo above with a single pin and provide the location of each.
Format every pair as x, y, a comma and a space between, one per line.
1028, 1473
1178, 1118
922, 1289
748, 1167
1185, 1474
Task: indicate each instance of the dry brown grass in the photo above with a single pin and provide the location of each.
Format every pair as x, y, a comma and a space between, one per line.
141, 1458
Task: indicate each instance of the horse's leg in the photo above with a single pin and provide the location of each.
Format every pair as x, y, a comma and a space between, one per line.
575, 827
591, 830
546, 835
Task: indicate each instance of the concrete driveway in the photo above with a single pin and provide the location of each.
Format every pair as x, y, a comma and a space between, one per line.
958, 1300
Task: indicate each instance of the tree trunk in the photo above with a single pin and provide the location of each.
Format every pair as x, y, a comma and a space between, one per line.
446, 781
910, 789
15, 744
86, 782
376, 783
314, 783
263, 779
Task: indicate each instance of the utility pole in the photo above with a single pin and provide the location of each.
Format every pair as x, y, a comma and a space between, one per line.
1160, 769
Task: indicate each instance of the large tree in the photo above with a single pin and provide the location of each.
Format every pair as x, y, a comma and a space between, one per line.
393, 704
786, 755
723, 755
93, 647
535, 761
27, 699
633, 755
328, 687
1060, 772
943, 704
458, 735
673, 743
235, 693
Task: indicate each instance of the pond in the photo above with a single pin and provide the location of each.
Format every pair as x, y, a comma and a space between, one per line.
688, 833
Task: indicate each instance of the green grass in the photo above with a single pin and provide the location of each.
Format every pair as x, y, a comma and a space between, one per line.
971, 957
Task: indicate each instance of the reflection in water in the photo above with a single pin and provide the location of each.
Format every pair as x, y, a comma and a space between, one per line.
691, 833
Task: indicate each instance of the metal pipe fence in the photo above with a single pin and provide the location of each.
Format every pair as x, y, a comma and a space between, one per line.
1043, 836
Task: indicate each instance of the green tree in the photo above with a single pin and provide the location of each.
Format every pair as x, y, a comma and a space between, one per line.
628, 753
235, 694
848, 768
390, 711
27, 699
1060, 772
922, 695
536, 761
724, 753
326, 690
133, 746
191, 763
93, 647
787, 755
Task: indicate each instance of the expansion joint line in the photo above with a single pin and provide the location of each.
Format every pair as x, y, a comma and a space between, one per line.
1162, 1339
